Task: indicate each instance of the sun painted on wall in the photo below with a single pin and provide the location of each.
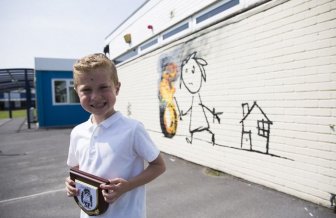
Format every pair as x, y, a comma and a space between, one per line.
168, 113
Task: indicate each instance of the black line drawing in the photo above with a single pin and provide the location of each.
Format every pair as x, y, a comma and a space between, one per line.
255, 124
256, 128
192, 77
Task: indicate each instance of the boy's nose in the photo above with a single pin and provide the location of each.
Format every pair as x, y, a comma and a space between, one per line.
95, 95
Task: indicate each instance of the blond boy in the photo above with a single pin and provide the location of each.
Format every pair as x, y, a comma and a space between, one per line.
110, 145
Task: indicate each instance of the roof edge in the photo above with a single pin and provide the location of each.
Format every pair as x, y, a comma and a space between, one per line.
60, 64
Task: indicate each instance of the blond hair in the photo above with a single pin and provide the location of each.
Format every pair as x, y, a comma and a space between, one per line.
93, 62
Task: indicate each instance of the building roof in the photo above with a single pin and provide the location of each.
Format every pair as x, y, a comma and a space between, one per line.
14, 79
54, 64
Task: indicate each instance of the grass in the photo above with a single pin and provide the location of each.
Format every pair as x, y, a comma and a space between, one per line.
4, 114
213, 172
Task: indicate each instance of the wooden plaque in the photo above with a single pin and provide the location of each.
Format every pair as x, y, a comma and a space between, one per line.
90, 198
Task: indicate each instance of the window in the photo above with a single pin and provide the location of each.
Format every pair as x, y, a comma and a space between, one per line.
148, 44
63, 92
217, 10
175, 30
73, 97
128, 55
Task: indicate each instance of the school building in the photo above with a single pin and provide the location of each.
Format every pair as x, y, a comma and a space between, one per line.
247, 87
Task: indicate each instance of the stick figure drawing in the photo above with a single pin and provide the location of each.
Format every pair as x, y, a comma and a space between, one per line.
192, 76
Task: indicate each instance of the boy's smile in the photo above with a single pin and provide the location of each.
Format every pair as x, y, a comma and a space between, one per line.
98, 105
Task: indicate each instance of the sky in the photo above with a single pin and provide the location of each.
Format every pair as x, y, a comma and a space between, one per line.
57, 28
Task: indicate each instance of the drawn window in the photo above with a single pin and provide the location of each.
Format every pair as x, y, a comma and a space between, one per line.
217, 10
263, 128
63, 92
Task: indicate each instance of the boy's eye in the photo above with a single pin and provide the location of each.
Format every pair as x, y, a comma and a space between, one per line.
104, 87
85, 90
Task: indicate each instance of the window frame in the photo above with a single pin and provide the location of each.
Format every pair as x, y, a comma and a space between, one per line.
176, 30
69, 85
129, 55
149, 44
212, 13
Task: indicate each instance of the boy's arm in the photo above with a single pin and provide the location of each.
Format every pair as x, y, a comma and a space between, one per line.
117, 187
153, 170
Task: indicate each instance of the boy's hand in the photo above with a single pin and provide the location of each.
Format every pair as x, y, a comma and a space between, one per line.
70, 187
114, 189
118, 187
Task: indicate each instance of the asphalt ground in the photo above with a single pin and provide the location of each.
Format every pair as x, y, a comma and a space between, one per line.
33, 168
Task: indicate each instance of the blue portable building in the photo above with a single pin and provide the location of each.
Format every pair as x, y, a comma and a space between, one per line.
57, 102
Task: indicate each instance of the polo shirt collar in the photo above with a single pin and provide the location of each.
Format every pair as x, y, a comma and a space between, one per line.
113, 118
109, 121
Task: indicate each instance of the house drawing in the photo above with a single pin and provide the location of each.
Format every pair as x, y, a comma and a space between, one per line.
256, 127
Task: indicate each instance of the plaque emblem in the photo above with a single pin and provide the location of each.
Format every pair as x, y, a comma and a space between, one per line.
88, 195
90, 198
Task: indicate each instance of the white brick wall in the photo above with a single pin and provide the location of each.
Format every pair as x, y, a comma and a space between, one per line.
282, 57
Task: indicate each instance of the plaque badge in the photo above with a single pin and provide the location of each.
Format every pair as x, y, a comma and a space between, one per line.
90, 198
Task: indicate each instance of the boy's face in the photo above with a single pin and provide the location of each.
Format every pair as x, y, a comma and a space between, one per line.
97, 93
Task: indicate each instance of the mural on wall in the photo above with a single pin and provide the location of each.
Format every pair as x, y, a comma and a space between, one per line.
255, 124
192, 77
256, 128
168, 114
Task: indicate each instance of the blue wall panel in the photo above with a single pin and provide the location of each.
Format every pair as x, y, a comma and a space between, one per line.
50, 115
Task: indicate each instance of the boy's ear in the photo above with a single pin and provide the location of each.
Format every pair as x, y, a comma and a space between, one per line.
118, 88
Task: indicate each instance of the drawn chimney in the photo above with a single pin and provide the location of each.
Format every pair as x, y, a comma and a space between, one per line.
246, 108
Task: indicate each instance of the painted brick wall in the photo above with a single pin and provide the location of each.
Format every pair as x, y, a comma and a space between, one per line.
271, 71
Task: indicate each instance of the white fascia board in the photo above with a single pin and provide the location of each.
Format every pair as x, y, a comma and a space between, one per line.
58, 64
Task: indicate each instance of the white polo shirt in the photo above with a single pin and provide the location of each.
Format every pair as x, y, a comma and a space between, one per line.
116, 148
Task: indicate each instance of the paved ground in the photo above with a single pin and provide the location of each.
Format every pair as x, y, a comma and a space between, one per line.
33, 169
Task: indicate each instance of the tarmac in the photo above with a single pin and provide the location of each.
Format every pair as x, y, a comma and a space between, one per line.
33, 169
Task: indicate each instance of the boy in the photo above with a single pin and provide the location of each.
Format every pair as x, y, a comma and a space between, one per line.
110, 145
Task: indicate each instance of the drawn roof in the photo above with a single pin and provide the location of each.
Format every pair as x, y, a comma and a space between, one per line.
255, 105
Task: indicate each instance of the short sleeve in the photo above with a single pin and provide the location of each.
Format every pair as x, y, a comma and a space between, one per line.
143, 144
72, 160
